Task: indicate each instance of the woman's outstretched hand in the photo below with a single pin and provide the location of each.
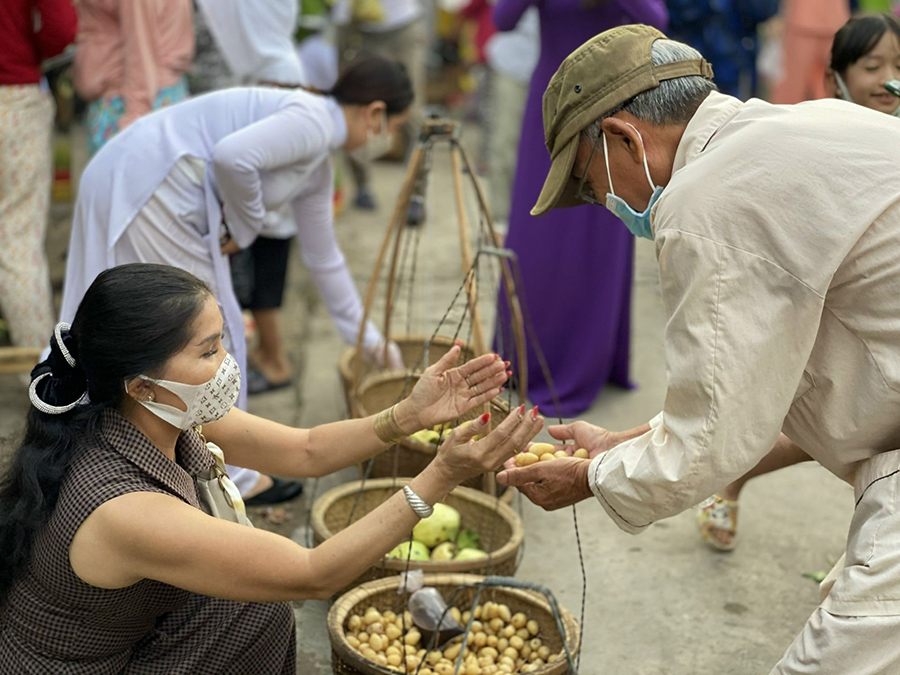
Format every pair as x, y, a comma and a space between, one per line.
444, 393
461, 457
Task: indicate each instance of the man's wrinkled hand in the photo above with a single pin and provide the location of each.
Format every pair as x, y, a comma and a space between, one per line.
550, 485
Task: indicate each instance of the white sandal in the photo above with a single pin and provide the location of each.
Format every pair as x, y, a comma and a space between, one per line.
719, 515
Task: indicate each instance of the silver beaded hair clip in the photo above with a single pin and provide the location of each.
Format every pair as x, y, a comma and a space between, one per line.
36, 401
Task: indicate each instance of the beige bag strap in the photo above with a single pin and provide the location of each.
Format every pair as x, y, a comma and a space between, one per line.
227, 485
230, 492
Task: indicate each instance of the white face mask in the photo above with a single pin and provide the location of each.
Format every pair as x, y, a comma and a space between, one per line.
204, 403
377, 145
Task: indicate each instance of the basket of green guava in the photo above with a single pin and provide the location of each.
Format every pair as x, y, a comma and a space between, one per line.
469, 532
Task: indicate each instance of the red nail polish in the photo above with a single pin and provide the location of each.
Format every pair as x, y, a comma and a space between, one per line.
509, 373
534, 413
521, 410
502, 389
506, 363
485, 418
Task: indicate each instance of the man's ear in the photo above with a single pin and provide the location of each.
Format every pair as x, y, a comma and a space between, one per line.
620, 132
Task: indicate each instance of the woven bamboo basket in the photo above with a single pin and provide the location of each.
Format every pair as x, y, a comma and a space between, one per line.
409, 456
413, 349
499, 527
383, 595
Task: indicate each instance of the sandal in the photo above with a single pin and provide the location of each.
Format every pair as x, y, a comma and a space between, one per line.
720, 515
258, 383
281, 491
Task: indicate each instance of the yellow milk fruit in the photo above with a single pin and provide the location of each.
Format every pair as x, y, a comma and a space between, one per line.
500, 642
525, 459
582, 453
541, 449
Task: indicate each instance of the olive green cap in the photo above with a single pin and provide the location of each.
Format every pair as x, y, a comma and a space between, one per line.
604, 72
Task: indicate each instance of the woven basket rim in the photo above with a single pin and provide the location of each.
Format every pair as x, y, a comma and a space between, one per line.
372, 379
369, 381
345, 362
506, 552
345, 604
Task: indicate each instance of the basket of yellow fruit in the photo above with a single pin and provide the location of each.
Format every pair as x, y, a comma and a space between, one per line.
511, 630
410, 455
469, 532
412, 348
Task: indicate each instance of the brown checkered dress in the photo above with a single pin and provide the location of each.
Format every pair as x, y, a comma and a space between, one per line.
56, 623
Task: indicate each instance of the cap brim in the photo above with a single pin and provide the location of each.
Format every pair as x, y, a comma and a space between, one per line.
560, 188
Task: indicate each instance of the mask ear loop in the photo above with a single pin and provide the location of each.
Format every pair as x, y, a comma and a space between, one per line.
606, 160
644, 150
842, 86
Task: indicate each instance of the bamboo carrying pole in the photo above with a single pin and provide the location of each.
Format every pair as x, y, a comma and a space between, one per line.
512, 296
466, 251
395, 227
439, 128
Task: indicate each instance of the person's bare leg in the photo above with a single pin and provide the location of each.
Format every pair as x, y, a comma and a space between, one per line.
270, 356
785, 453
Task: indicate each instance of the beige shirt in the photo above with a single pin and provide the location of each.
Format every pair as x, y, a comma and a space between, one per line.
778, 241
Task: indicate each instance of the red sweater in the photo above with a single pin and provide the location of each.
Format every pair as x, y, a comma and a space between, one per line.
31, 31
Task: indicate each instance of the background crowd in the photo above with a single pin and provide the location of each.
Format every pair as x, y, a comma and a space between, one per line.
106, 63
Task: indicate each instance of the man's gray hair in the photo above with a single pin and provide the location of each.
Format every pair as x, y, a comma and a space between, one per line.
672, 102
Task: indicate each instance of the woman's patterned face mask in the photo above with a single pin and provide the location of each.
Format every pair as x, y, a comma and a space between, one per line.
204, 403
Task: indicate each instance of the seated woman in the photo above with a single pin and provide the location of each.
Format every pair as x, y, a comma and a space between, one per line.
108, 564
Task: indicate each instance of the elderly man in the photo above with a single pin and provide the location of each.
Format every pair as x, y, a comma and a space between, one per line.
777, 230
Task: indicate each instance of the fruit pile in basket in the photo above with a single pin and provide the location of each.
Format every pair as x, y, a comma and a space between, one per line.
545, 452
499, 643
438, 434
440, 538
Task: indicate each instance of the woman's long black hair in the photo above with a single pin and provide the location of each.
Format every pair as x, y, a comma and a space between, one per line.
373, 78
858, 37
131, 321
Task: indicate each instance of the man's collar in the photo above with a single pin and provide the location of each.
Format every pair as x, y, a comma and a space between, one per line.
712, 114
